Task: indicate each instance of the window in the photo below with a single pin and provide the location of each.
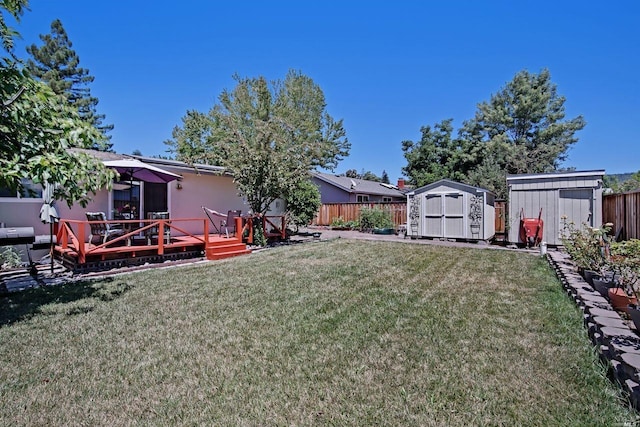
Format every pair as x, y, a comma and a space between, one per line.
362, 198
29, 191
386, 198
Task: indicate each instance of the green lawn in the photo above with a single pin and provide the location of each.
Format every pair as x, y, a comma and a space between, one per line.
331, 333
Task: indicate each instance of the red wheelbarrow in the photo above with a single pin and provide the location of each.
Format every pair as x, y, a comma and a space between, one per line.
531, 229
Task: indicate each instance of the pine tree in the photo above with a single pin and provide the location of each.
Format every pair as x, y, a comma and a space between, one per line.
521, 129
58, 65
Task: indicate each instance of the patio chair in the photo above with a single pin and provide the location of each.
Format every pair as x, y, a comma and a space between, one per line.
229, 225
226, 225
154, 231
101, 228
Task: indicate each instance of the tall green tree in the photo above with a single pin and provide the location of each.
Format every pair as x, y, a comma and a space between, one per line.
38, 129
435, 156
632, 183
366, 175
522, 129
269, 135
385, 177
369, 176
352, 173
14, 9
58, 65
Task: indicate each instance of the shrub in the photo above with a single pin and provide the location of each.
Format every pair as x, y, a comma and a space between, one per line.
303, 203
339, 222
624, 261
371, 218
587, 246
9, 258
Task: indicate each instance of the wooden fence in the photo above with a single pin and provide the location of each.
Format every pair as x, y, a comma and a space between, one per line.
623, 210
351, 212
500, 221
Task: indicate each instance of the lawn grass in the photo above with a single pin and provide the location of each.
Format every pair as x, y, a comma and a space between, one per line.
331, 333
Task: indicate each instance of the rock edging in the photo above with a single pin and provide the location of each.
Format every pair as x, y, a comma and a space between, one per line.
617, 343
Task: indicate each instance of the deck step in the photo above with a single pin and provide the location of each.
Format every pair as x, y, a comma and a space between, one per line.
212, 256
221, 250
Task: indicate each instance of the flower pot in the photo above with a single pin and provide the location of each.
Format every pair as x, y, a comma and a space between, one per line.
603, 285
620, 300
589, 276
634, 313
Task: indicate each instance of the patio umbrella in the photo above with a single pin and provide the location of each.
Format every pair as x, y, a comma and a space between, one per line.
134, 169
49, 213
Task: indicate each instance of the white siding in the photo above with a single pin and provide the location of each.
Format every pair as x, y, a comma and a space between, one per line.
442, 211
577, 195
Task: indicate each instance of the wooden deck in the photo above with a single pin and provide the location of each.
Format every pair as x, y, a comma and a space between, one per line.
142, 241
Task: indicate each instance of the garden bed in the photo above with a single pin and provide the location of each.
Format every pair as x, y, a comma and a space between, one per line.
615, 339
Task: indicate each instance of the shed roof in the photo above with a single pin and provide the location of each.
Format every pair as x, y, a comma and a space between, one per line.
556, 175
451, 183
359, 186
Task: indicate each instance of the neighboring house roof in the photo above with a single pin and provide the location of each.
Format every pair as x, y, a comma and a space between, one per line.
450, 183
359, 186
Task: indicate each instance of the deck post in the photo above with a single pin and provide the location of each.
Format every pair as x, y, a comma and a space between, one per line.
239, 230
161, 237
81, 245
62, 236
206, 236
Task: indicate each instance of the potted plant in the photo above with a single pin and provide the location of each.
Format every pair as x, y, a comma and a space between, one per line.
588, 248
624, 260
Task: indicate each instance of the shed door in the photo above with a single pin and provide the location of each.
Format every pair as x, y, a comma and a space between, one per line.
444, 215
577, 206
454, 215
433, 226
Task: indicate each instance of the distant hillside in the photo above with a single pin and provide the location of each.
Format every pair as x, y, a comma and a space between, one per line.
621, 177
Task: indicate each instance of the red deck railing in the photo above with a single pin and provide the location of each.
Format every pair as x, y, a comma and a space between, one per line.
273, 226
73, 234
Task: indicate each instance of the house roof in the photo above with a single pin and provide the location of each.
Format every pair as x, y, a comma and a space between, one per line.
359, 186
100, 155
451, 183
174, 164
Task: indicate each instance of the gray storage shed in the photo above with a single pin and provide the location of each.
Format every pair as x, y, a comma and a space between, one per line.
567, 196
451, 210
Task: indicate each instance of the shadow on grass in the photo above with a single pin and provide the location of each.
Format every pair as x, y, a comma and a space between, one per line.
24, 305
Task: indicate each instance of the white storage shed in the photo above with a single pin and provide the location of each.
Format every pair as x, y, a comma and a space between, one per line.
566, 196
451, 210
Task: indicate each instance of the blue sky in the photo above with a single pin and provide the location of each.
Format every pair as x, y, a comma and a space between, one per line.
386, 68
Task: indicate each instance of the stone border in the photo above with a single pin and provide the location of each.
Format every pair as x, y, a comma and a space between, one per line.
615, 339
